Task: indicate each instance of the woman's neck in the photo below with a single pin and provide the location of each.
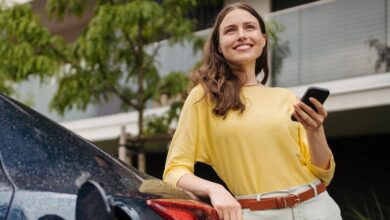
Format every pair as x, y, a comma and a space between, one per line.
246, 74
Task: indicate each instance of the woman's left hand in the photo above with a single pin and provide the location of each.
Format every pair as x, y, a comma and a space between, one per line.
310, 119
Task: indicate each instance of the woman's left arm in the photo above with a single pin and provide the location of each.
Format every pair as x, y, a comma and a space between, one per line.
312, 121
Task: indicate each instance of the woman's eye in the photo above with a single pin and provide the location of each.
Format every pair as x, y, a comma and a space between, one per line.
227, 31
250, 27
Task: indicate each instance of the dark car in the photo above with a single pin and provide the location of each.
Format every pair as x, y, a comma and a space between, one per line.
43, 165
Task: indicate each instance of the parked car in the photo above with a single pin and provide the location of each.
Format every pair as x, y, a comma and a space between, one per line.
48, 172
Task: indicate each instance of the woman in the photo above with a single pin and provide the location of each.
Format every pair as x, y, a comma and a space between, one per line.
276, 168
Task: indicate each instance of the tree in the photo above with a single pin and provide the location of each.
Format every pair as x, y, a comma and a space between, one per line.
113, 57
383, 54
279, 48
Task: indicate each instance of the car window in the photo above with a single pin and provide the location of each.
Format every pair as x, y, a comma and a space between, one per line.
42, 155
5, 192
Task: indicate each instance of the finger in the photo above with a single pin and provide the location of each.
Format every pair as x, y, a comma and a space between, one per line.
239, 214
318, 116
315, 102
301, 120
220, 213
297, 117
306, 119
308, 110
193, 196
233, 214
315, 118
226, 214
320, 108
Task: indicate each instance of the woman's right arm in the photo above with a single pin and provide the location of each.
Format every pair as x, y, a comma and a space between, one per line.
226, 205
184, 152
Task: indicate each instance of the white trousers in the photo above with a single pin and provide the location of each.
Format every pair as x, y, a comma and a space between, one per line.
321, 207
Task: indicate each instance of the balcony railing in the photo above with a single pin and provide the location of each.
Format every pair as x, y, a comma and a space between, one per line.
331, 40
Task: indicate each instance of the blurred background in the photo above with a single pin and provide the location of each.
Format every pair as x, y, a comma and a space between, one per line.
60, 62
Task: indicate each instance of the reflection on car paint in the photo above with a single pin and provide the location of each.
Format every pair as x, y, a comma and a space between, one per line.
30, 204
84, 176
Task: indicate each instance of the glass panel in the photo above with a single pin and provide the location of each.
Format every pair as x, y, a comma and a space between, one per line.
285, 68
284, 4
335, 40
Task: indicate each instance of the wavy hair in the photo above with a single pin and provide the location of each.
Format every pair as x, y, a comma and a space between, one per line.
221, 85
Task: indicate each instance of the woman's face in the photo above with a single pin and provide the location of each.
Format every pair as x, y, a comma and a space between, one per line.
240, 39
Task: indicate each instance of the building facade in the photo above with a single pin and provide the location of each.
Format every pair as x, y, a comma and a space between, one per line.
338, 44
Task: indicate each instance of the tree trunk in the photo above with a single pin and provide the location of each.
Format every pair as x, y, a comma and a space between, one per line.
141, 104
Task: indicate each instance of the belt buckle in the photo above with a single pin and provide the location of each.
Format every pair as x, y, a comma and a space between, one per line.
296, 200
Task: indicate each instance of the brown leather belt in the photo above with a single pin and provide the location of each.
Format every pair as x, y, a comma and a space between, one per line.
291, 200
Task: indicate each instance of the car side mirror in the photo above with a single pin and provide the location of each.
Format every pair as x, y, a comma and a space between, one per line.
93, 203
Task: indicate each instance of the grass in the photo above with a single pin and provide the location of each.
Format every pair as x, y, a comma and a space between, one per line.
367, 209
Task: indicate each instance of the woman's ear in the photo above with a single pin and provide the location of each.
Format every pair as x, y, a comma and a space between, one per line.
219, 49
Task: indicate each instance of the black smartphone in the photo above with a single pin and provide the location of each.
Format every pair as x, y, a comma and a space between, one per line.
321, 94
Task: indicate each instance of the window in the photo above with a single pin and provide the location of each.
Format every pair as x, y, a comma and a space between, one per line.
283, 4
205, 13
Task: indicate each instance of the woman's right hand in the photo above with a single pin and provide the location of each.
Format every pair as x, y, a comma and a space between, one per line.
226, 205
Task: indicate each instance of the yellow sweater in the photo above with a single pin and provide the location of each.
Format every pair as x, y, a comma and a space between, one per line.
258, 151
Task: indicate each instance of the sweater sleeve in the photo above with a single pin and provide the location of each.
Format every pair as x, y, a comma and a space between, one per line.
325, 175
183, 148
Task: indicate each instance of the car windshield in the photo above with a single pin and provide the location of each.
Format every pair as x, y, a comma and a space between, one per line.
41, 155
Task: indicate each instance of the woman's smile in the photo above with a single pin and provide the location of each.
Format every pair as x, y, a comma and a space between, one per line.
243, 47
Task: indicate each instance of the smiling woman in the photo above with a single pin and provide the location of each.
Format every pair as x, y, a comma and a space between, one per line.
275, 168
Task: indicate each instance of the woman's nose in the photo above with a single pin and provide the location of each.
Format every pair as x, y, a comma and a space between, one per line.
241, 34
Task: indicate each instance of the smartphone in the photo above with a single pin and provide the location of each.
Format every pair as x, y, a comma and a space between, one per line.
321, 94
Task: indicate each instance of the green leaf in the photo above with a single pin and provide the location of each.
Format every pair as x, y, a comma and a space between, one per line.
111, 58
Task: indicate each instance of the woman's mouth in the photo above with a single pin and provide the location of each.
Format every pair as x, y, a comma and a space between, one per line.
242, 47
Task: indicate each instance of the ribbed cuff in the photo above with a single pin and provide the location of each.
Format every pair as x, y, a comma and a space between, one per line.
325, 175
174, 176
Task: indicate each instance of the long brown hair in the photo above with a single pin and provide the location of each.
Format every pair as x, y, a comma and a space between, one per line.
221, 85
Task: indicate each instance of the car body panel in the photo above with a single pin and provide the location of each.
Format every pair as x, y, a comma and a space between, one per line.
48, 164
6, 192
